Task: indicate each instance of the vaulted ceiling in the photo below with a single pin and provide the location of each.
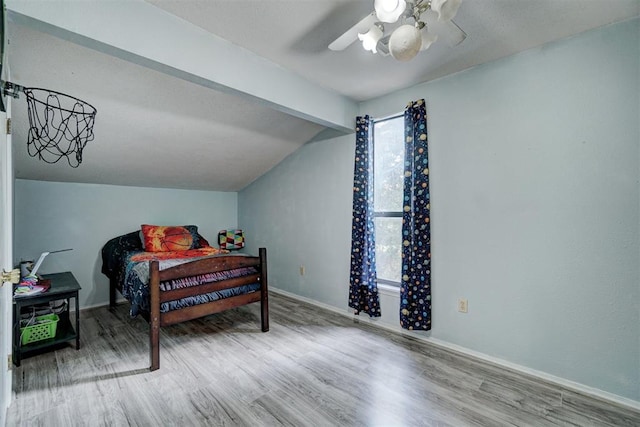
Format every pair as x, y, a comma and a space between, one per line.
206, 94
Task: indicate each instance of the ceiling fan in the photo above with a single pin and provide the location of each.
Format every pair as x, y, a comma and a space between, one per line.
402, 28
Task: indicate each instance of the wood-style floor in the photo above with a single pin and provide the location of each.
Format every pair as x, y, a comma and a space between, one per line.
314, 368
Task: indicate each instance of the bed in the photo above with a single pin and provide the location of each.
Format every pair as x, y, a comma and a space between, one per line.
170, 286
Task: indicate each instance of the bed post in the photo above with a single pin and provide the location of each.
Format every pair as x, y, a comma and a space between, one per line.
112, 293
154, 315
264, 290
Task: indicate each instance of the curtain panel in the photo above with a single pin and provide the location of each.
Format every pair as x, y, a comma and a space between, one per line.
363, 289
415, 288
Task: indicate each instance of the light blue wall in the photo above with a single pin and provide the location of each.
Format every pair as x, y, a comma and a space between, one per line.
301, 211
535, 209
52, 215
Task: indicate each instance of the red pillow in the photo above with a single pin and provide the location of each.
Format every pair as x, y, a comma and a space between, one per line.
163, 238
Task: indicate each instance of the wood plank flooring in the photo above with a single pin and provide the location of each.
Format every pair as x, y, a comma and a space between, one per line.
314, 368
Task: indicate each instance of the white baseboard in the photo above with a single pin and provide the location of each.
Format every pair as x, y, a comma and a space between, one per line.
119, 300
571, 385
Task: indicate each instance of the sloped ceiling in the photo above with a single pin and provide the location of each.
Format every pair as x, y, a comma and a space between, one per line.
151, 129
161, 124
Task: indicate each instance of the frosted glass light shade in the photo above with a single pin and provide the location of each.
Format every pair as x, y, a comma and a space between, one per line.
405, 42
446, 9
370, 39
389, 10
428, 39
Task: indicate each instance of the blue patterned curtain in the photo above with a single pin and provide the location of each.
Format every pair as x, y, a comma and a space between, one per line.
363, 291
415, 289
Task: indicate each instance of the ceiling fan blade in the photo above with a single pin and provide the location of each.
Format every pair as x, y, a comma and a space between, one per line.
453, 34
351, 35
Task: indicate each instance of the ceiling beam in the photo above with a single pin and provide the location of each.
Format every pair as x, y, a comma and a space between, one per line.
141, 33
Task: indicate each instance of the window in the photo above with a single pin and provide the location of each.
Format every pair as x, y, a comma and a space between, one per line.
388, 182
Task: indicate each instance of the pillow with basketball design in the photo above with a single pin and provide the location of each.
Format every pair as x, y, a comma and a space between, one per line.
169, 238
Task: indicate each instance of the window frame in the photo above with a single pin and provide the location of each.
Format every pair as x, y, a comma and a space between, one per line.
384, 214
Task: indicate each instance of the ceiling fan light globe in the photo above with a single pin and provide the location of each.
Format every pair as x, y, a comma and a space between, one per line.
405, 42
446, 9
370, 38
389, 10
428, 39
388, 5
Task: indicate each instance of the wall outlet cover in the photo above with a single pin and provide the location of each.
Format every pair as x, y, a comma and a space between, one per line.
463, 305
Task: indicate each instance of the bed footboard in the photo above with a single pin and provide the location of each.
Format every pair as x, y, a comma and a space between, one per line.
194, 268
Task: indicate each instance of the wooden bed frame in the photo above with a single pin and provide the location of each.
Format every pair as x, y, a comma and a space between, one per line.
194, 268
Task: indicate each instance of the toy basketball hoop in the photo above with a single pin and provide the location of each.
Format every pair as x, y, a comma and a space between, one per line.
59, 125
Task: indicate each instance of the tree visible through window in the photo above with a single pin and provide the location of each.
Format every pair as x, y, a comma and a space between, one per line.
388, 170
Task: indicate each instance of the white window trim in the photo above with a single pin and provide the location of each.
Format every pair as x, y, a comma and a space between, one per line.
385, 289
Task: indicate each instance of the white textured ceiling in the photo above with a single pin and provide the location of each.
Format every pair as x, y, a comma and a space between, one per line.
296, 33
156, 130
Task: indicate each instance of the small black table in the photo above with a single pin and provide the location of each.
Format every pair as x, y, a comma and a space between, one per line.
63, 286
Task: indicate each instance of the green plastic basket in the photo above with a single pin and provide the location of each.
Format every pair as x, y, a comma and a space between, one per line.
43, 328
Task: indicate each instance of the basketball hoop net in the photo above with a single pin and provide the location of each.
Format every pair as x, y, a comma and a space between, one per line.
59, 125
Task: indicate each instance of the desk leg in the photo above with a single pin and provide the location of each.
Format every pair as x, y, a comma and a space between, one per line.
16, 334
77, 323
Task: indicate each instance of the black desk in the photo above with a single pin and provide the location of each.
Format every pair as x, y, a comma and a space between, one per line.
63, 286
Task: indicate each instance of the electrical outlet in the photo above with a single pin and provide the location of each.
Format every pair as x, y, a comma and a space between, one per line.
463, 305
302, 270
